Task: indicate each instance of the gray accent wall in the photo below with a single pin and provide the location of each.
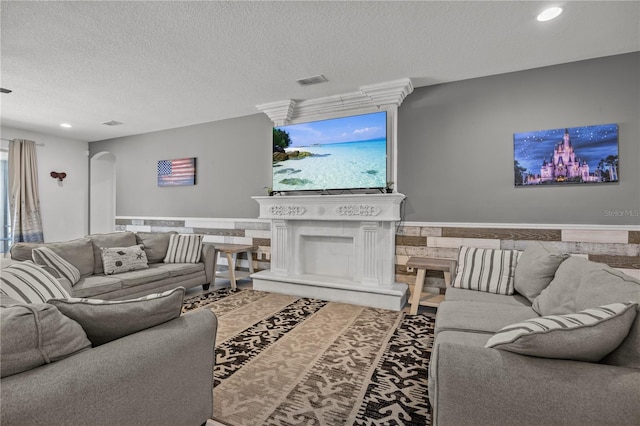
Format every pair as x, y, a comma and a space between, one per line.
233, 164
455, 152
455, 144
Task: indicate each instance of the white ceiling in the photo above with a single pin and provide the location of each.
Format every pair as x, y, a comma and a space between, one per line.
161, 65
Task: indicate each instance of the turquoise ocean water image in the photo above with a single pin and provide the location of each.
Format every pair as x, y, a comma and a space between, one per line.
358, 164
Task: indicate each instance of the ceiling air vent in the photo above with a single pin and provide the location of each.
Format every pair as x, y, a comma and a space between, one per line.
316, 79
112, 123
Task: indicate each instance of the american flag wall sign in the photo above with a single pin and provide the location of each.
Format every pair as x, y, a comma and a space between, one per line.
179, 172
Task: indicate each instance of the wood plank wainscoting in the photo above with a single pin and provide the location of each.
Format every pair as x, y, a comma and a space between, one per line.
617, 246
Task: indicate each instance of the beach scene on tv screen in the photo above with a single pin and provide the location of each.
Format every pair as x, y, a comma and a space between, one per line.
341, 153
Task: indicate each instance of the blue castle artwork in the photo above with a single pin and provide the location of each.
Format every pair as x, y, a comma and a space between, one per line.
342, 153
578, 155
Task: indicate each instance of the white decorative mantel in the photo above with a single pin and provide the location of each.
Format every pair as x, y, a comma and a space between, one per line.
334, 247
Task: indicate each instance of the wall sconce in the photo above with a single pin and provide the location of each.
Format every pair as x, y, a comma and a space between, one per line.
58, 175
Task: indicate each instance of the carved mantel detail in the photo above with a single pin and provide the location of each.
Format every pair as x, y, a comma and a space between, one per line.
287, 210
357, 210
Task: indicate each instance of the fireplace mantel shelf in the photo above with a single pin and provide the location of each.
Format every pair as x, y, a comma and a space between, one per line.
334, 247
345, 207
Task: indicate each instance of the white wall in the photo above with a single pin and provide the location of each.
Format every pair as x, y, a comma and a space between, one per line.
64, 207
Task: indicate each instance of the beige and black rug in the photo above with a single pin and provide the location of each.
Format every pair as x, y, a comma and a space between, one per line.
285, 360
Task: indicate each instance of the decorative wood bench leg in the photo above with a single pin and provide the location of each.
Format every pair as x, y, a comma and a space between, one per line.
417, 291
205, 287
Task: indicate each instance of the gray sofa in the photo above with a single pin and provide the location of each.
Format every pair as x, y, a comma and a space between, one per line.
162, 375
470, 384
85, 255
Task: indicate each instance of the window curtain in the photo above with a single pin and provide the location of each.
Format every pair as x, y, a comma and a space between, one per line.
26, 223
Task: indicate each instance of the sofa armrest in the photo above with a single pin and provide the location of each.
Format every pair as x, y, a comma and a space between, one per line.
476, 385
161, 375
209, 259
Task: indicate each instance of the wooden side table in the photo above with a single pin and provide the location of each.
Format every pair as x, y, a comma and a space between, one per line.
422, 264
231, 251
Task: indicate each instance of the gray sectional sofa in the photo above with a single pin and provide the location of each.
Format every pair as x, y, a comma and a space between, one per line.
159, 375
470, 384
85, 255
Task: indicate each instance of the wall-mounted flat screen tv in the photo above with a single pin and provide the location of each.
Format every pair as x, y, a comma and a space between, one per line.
339, 153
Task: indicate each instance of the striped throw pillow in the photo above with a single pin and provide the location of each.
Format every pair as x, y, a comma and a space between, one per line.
44, 256
488, 270
588, 335
184, 248
29, 283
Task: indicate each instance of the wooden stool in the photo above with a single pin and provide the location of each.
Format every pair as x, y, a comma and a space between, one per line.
422, 264
231, 251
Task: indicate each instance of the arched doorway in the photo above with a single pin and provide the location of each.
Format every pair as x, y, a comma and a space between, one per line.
102, 193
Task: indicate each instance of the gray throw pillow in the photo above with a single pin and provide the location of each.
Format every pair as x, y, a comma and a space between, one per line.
536, 268
588, 335
104, 321
36, 334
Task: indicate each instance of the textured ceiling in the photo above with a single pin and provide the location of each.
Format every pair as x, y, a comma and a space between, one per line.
160, 65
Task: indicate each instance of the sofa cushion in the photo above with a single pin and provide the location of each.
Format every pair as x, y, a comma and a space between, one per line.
123, 259
460, 294
588, 335
96, 285
78, 252
104, 321
536, 268
44, 256
489, 270
142, 276
479, 317
36, 334
155, 244
114, 239
179, 269
563, 295
184, 248
29, 283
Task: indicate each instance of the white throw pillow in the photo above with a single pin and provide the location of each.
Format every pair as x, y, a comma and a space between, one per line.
123, 259
44, 256
30, 283
488, 270
184, 248
588, 335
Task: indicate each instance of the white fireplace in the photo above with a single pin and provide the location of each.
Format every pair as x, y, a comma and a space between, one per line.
334, 247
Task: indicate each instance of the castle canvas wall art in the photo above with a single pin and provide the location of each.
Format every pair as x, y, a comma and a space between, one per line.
574, 155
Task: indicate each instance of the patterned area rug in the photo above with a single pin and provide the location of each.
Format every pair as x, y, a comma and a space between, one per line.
284, 360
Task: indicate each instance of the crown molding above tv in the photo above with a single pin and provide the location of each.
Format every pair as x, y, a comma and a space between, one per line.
369, 98
386, 96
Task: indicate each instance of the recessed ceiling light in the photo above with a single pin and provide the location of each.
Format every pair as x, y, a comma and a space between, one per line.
549, 14
66, 125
